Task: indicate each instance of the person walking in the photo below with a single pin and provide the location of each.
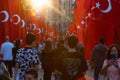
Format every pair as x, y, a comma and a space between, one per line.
60, 49
97, 57
17, 45
47, 60
27, 57
6, 51
73, 65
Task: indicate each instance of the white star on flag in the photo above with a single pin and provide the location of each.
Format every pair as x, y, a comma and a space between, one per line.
78, 27
89, 14
82, 22
98, 5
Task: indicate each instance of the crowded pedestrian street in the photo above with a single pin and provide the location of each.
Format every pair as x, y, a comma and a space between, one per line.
59, 39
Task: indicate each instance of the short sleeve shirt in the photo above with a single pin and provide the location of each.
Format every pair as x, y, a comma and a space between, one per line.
26, 58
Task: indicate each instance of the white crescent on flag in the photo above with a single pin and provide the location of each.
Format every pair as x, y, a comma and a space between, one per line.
109, 8
23, 23
6, 15
34, 26
39, 31
18, 19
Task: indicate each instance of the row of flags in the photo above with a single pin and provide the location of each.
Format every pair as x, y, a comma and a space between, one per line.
94, 19
16, 22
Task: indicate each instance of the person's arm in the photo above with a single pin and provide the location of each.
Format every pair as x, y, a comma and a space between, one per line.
117, 64
1, 53
105, 66
104, 70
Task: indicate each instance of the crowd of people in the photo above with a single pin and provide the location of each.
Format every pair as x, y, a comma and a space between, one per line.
66, 59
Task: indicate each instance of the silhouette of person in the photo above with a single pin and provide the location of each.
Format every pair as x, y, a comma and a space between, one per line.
6, 51
97, 57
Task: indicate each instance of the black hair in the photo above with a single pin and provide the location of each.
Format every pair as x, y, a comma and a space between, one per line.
109, 50
48, 45
72, 41
32, 72
17, 43
101, 40
30, 37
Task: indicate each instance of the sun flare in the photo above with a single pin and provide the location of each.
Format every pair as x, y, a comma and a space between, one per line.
40, 3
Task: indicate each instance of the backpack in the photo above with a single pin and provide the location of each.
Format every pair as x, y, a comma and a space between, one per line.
74, 65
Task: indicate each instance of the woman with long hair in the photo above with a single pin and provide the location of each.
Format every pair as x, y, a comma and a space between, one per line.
47, 60
111, 65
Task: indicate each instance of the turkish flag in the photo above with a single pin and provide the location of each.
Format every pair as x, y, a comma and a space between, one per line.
17, 20
116, 18
71, 28
11, 20
100, 24
79, 14
4, 20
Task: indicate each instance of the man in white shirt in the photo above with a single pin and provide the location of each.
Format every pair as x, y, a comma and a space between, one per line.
6, 52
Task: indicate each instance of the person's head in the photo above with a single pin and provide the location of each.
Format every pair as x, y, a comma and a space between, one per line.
7, 38
31, 74
30, 38
72, 41
113, 52
48, 44
18, 42
101, 40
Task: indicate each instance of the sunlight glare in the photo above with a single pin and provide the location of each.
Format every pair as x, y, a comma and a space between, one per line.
40, 3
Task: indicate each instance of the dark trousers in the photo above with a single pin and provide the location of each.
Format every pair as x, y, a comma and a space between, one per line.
9, 66
96, 72
47, 74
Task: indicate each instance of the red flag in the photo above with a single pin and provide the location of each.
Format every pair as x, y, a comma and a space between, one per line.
71, 28
4, 20
116, 18
100, 24
79, 14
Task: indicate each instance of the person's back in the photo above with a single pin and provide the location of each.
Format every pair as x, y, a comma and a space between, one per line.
14, 49
47, 60
74, 65
97, 57
27, 57
6, 51
59, 51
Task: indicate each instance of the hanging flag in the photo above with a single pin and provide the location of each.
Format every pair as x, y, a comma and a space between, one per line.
99, 24
4, 20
